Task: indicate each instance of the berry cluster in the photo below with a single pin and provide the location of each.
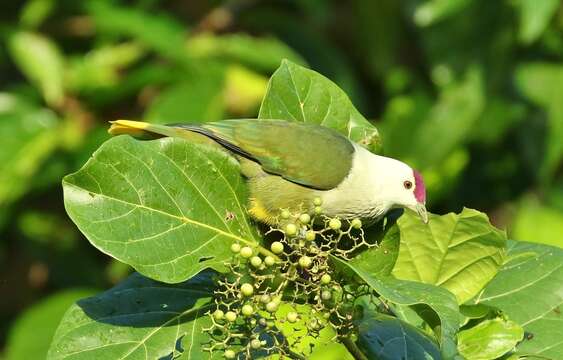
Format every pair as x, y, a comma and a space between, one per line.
296, 283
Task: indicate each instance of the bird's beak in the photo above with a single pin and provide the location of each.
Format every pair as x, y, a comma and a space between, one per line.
421, 211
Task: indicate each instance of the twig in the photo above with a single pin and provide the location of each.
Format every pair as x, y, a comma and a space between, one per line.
353, 349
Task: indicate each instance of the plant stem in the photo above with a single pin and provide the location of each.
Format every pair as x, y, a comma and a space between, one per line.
353, 349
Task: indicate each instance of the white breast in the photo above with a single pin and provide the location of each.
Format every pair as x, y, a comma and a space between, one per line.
360, 194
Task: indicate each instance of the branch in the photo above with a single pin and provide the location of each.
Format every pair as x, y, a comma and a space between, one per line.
353, 349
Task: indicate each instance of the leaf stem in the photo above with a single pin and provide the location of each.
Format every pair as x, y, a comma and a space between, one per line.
353, 349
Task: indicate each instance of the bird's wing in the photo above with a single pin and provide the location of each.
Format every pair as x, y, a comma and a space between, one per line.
307, 154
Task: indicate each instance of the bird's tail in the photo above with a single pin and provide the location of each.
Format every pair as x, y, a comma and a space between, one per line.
144, 130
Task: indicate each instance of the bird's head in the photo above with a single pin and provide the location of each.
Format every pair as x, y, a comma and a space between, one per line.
404, 187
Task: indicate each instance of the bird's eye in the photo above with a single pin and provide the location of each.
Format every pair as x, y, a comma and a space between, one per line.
407, 184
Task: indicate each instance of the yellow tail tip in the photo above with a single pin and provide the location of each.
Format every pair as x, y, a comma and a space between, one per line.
130, 127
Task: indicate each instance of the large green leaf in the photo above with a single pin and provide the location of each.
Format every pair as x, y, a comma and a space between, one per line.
41, 61
436, 305
529, 290
388, 338
489, 340
299, 94
138, 319
29, 135
460, 252
538, 223
31, 334
535, 16
167, 207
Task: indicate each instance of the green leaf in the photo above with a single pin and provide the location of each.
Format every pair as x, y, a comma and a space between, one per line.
380, 260
31, 334
296, 334
299, 94
542, 83
263, 54
194, 100
30, 134
436, 305
535, 16
433, 11
159, 32
102, 67
460, 252
388, 338
529, 290
168, 208
138, 319
489, 340
35, 12
538, 223
40, 60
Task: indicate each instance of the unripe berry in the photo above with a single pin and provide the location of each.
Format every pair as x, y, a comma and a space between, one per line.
326, 295
231, 316
292, 316
304, 218
230, 354
247, 289
285, 214
255, 261
305, 262
265, 298
318, 210
334, 224
356, 223
235, 248
269, 261
246, 252
317, 201
310, 235
255, 344
218, 315
277, 247
325, 279
262, 322
290, 229
272, 306
247, 310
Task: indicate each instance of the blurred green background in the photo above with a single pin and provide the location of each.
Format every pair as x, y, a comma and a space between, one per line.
468, 91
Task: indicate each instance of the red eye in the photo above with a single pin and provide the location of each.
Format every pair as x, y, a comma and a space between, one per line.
407, 184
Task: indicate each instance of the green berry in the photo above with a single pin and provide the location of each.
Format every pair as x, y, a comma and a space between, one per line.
335, 224
230, 354
318, 210
265, 298
326, 295
290, 229
231, 316
285, 214
305, 262
262, 322
269, 261
277, 247
247, 289
325, 279
218, 315
317, 201
292, 316
255, 261
247, 310
304, 218
356, 223
246, 252
235, 248
310, 235
255, 344
272, 306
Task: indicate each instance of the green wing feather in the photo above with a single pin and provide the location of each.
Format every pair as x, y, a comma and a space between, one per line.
307, 154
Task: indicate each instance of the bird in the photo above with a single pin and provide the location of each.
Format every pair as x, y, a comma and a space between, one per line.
291, 165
